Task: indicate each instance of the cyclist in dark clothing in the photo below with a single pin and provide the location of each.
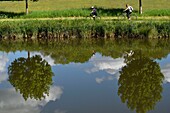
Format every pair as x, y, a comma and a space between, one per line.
93, 12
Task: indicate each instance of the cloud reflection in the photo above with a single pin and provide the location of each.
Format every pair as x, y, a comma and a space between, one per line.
100, 80
13, 102
3, 61
107, 64
166, 71
46, 58
112, 67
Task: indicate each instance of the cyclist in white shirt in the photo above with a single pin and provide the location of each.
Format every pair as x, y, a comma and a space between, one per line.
128, 10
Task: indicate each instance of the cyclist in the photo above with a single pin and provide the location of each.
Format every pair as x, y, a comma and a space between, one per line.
128, 11
93, 12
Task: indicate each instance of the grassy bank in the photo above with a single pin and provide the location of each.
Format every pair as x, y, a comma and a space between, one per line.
66, 8
61, 29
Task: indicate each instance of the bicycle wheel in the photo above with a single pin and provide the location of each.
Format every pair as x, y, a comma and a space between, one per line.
93, 17
96, 18
89, 17
134, 16
121, 16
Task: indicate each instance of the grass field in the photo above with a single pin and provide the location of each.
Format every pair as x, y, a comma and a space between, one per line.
19, 6
56, 8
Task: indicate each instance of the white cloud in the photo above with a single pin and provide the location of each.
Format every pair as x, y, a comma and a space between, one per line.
13, 102
3, 61
107, 64
47, 58
100, 80
3, 76
55, 93
166, 72
110, 77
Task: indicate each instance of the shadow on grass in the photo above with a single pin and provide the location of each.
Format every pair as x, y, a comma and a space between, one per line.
101, 11
4, 14
109, 11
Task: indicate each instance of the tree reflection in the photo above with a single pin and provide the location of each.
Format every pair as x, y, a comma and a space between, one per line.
31, 76
140, 82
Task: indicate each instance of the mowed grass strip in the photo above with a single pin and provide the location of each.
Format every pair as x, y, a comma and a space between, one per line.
65, 8
44, 5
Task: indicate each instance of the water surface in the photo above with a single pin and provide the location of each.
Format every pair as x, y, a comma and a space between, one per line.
132, 81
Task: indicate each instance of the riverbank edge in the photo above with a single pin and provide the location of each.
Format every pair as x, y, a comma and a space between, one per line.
83, 28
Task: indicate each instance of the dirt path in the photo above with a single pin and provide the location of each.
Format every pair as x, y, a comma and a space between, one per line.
103, 18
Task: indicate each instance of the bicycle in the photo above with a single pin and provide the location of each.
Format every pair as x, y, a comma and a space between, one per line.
122, 16
94, 17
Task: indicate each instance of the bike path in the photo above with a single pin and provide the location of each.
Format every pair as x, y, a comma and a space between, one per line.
102, 18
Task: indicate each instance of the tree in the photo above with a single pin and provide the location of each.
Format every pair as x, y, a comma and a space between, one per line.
140, 83
140, 6
26, 3
31, 76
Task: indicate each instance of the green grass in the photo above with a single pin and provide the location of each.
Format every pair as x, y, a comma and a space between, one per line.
60, 13
79, 13
158, 12
58, 8
87, 28
19, 6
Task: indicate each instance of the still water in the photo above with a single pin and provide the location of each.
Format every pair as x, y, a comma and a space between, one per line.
135, 81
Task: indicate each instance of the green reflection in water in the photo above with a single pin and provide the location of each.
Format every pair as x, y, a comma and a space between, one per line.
31, 76
140, 82
81, 50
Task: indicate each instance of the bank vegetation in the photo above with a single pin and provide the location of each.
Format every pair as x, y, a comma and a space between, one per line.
65, 29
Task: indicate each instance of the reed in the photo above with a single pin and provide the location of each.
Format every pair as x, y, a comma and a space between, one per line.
60, 29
